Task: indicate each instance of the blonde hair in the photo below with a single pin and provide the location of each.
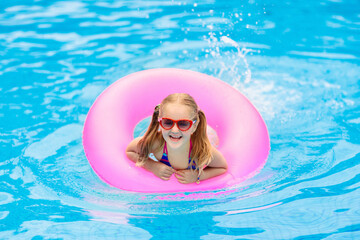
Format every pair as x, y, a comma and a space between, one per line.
201, 146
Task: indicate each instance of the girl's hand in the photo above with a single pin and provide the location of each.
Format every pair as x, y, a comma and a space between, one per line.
186, 176
163, 171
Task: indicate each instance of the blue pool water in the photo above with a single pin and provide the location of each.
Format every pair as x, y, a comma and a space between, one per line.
297, 61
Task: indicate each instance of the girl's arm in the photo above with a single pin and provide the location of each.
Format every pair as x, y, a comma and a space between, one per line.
161, 170
216, 167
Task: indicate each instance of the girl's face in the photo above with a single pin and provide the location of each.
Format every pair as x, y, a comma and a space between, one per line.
174, 137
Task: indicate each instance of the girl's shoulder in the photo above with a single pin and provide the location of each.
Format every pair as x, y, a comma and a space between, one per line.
157, 145
157, 149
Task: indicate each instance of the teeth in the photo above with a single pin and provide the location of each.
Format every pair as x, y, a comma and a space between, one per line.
177, 137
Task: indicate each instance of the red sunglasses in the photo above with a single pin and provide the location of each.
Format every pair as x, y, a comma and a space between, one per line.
182, 124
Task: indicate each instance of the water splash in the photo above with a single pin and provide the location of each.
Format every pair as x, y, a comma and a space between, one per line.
229, 61
241, 53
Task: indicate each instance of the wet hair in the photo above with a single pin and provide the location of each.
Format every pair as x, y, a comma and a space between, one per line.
201, 146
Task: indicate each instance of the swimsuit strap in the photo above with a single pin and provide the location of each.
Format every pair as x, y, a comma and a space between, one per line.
193, 166
165, 149
164, 158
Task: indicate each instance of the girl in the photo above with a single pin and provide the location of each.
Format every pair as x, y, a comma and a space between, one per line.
177, 136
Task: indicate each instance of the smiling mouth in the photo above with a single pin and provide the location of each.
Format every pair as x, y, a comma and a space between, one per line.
175, 138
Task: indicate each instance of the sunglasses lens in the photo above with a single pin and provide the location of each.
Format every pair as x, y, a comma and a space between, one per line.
184, 125
167, 123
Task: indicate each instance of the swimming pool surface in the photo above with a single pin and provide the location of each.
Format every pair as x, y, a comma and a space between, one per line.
297, 61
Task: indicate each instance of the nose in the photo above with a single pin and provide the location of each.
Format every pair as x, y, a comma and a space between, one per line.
175, 129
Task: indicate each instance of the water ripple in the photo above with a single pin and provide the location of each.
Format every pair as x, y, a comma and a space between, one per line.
57, 57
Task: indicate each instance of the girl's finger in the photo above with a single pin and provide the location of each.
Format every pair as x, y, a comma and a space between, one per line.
179, 177
180, 180
183, 181
171, 171
167, 172
165, 178
180, 173
167, 175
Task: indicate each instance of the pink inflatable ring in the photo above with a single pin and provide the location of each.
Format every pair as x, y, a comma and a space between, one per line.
242, 133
